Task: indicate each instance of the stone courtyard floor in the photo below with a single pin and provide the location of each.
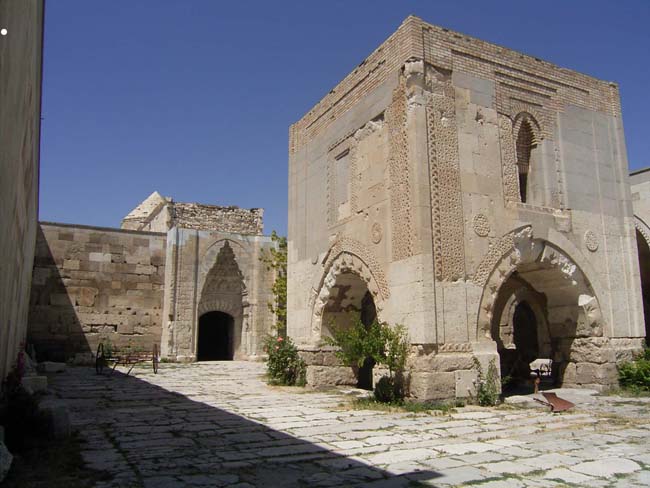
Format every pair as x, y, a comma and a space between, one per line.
219, 424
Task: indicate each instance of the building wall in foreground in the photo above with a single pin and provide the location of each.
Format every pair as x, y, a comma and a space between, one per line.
95, 284
20, 91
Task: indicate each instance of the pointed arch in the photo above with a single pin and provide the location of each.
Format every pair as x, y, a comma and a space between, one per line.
527, 138
347, 256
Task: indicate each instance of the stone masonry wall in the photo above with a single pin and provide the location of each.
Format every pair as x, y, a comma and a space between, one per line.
92, 284
224, 219
20, 106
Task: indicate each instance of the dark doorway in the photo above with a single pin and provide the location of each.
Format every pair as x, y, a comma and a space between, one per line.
368, 316
216, 337
644, 268
514, 362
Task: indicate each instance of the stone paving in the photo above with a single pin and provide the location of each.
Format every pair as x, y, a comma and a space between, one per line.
219, 424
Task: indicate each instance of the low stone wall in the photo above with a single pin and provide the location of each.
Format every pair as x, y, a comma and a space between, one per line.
94, 284
433, 373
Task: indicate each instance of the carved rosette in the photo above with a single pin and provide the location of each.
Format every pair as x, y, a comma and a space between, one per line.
591, 241
481, 225
376, 233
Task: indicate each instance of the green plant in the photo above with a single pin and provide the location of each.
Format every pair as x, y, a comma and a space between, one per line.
487, 389
385, 390
276, 259
387, 346
635, 375
284, 365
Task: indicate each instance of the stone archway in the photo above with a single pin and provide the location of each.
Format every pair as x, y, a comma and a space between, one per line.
223, 293
569, 323
346, 255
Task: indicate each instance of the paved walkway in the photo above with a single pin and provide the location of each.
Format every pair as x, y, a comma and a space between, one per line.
218, 424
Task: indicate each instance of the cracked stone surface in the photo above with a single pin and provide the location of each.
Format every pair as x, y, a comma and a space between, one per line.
219, 424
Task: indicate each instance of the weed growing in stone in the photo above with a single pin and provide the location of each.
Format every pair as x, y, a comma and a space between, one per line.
487, 389
635, 375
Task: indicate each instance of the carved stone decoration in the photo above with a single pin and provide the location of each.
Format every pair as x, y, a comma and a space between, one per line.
224, 286
376, 232
641, 227
481, 225
400, 175
446, 202
509, 171
455, 347
347, 256
517, 248
591, 240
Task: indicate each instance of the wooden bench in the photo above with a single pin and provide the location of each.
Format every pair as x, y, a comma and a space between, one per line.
110, 356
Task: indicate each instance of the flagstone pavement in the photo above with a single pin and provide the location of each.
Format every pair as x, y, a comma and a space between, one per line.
219, 424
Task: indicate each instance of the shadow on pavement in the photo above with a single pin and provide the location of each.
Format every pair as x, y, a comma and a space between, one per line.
147, 436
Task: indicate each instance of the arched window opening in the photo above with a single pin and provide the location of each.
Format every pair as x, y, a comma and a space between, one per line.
526, 144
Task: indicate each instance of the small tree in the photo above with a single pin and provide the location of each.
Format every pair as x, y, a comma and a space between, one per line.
284, 365
276, 259
387, 345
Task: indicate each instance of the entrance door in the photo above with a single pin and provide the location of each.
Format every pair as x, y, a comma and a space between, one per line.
368, 316
216, 337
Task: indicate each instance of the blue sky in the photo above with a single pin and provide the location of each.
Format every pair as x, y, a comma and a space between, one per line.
194, 98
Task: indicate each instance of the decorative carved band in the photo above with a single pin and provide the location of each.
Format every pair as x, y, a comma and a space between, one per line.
400, 176
446, 202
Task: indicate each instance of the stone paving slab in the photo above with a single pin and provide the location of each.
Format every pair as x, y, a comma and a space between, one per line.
219, 424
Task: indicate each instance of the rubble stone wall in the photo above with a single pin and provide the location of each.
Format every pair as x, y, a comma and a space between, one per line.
95, 284
214, 218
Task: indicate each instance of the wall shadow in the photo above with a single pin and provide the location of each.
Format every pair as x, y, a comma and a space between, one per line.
53, 327
145, 436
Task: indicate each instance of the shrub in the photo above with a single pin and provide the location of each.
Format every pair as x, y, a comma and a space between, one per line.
635, 375
487, 390
387, 346
385, 390
284, 365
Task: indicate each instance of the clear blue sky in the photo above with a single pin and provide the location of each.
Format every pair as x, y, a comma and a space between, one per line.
194, 98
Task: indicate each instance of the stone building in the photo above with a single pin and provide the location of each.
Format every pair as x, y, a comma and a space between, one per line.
183, 275
20, 127
477, 195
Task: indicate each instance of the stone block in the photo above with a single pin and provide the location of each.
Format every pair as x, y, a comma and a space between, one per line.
569, 376
466, 383
51, 367
592, 350
72, 264
60, 299
34, 384
596, 374
83, 296
100, 257
5, 461
330, 376
432, 386
127, 328
58, 417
